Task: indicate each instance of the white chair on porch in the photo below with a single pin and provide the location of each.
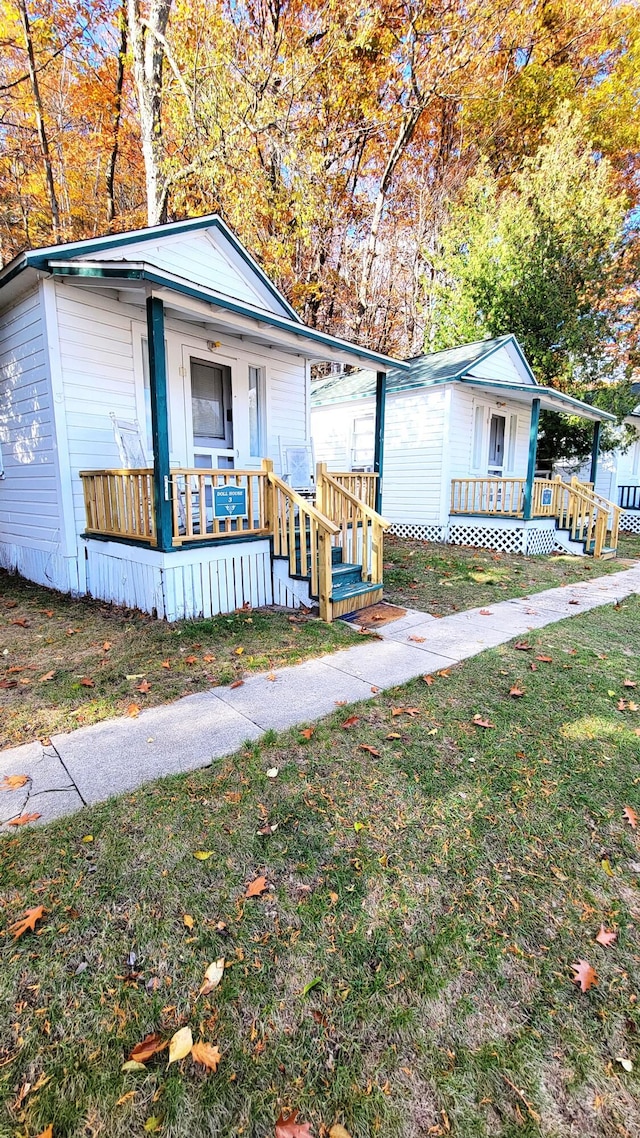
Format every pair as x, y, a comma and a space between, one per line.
132, 453
297, 463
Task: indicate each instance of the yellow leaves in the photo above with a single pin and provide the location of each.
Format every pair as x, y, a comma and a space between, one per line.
29, 921
14, 781
180, 1045
203, 855
212, 977
188, 921
206, 1054
47, 1132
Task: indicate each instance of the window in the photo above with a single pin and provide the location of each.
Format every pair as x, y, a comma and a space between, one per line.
256, 412
362, 447
478, 425
496, 444
513, 438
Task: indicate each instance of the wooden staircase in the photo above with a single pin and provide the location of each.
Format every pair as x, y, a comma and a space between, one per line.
335, 544
586, 522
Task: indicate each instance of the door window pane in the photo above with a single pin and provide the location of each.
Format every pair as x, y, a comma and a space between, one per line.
207, 400
256, 419
496, 441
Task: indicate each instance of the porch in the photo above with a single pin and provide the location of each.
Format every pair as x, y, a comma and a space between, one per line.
580, 516
329, 545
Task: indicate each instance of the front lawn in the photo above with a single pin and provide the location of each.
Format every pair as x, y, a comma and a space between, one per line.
408, 969
66, 662
442, 579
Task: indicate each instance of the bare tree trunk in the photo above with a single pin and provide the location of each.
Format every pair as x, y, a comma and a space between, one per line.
145, 36
39, 113
110, 175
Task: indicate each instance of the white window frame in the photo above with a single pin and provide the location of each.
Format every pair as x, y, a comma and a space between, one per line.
261, 408
477, 442
368, 416
512, 444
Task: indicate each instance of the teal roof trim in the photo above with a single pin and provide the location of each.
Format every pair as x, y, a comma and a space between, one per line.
153, 276
541, 392
38, 258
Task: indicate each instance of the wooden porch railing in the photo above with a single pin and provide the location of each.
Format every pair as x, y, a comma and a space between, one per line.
361, 528
491, 496
119, 503
303, 535
629, 497
361, 485
193, 501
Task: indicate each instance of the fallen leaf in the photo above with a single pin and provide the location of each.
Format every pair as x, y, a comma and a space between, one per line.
429, 680
606, 937
13, 781
45, 679
206, 1055
87, 682
47, 1132
289, 1128
629, 684
47, 612
606, 865
545, 659
371, 750
188, 921
31, 917
338, 1131
152, 1124
106, 647
485, 612
150, 1046
272, 677
622, 703
256, 887
311, 985
444, 672
630, 816
585, 975
21, 621
480, 722
8, 683
133, 710
516, 692
393, 735
208, 658
308, 732
351, 721
144, 687
625, 1063
23, 819
203, 855
522, 646
180, 1045
212, 977
417, 639
272, 772
166, 664
191, 659
632, 706
574, 602
237, 684
133, 1065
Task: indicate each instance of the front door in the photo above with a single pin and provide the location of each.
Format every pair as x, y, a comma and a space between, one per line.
211, 413
496, 446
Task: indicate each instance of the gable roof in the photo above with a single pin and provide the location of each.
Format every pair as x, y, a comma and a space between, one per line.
97, 247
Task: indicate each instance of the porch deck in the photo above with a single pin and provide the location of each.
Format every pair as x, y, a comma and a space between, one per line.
587, 517
334, 542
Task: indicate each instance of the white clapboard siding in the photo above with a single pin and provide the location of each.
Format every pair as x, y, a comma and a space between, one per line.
504, 366
413, 456
203, 257
30, 517
461, 431
332, 431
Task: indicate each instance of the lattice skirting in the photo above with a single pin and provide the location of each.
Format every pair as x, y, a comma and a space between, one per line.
483, 537
420, 533
630, 521
539, 542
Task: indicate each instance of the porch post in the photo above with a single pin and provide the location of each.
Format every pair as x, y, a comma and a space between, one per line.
595, 448
159, 422
531, 467
378, 445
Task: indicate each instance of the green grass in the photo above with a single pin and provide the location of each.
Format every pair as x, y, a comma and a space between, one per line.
442, 579
69, 638
438, 891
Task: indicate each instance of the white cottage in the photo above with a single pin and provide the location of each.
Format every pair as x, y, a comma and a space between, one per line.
459, 433
154, 425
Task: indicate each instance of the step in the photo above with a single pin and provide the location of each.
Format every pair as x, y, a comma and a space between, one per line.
336, 555
344, 573
354, 590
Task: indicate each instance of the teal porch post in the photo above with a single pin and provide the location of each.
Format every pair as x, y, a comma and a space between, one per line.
597, 431
378, 445
533, 450
159, 422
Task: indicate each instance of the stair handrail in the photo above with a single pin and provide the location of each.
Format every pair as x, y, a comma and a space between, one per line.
599, 509
317, 563
362, 528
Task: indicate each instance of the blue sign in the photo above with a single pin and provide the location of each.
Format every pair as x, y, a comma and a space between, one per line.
547, 496
229, 502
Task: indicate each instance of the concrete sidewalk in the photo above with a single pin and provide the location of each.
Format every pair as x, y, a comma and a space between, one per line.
94, 763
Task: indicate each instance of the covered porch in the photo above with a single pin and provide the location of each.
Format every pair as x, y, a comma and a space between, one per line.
583, 520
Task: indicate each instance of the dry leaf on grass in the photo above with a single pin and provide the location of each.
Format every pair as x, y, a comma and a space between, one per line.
585, 976
370, 749
256, 887
545, 659
133, 711
339, 1131
523, 646
516, 692
46, 677
180, 1045
203, 855
205, 1054
629, 684
606, 937
144, 687
308, 732
429, 680
351, 721
47, 1132
87, 682
480, 722
14, 781
212, 977
27, 922
188, 921
630, 816
289, 1128
149, 1046
24, 819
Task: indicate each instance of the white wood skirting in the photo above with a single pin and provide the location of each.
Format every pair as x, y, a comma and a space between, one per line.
43, 566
